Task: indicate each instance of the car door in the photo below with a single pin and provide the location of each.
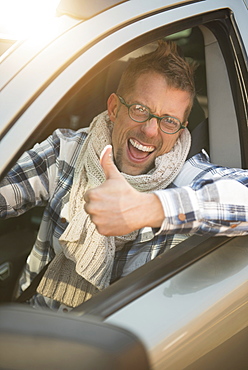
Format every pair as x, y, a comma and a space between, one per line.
193, 305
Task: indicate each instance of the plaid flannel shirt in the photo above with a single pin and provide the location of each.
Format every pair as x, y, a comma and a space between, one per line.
204, 198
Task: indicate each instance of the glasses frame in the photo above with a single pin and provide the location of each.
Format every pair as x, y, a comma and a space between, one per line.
151, 115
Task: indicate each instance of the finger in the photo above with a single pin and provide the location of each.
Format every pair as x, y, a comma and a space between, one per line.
109, 168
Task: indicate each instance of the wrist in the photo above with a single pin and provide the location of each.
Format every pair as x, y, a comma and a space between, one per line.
152, 211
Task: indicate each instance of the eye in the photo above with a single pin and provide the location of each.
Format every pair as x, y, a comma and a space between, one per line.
139, 112
170, 122
139, 109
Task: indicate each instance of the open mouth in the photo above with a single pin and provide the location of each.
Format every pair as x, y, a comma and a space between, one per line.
139, 151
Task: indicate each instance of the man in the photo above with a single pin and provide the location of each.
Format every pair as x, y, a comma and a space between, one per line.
102, 220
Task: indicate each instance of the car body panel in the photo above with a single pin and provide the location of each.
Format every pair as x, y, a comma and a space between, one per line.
199, 308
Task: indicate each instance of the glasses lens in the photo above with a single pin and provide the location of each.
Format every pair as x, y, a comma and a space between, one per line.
170, 124
138, 113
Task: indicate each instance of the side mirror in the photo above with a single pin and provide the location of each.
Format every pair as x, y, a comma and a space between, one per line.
34, 339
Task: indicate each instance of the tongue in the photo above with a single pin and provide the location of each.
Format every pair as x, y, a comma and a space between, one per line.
136, 153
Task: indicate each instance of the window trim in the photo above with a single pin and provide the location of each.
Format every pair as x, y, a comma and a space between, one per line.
229, 40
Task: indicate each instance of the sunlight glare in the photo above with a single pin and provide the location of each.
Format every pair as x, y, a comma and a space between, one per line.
22, 19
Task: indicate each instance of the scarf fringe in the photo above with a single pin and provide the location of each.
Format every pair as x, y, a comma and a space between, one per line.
62, 275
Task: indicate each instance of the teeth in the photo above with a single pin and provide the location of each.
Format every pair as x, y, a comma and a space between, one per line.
141, 147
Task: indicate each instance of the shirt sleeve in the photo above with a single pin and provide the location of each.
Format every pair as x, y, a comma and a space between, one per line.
215, 201
31, 180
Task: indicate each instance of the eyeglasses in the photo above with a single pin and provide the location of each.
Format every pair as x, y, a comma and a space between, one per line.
140, 113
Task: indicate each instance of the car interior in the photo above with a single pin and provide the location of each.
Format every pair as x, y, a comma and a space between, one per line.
198, 43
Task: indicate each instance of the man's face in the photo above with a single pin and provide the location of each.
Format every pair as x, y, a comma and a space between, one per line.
136, 145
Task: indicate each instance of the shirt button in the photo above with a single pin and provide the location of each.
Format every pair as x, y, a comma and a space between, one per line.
63, 220
182, 217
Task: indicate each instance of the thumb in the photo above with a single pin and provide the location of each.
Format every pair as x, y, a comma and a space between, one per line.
106, 161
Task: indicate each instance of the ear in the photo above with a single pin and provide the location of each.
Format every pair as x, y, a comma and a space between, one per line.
112, 107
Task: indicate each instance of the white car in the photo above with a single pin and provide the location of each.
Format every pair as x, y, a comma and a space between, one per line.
188, 308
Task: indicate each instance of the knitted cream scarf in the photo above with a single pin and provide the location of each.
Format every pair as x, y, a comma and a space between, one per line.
85, 265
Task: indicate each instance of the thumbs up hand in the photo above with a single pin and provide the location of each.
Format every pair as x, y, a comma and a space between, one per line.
116, 208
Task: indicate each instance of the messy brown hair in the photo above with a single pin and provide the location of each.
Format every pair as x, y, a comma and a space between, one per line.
166, 60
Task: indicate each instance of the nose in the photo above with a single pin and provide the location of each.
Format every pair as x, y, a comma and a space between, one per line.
150, 128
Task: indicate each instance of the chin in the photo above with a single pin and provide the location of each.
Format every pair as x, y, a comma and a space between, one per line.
137, 170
